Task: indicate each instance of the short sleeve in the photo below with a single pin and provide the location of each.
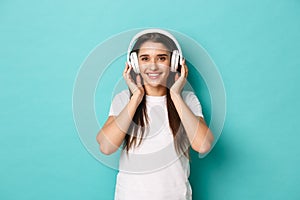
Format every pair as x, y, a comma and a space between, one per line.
119, 102
193, 103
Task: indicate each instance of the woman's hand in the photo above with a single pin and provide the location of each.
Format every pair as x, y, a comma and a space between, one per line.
136, 89
179, 80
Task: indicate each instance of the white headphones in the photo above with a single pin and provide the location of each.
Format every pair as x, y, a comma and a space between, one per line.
132, 58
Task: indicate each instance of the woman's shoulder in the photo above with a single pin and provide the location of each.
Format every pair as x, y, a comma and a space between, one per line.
187, 94
124, 94
192, 102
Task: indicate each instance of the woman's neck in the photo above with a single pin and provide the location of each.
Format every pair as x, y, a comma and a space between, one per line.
155, 91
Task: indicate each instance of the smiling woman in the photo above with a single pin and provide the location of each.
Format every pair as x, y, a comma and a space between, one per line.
155, 122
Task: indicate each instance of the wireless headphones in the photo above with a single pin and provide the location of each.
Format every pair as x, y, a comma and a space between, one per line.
132, 58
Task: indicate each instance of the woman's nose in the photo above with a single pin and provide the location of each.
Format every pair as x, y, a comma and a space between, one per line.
153, 66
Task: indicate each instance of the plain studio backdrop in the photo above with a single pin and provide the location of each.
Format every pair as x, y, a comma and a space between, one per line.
254, 44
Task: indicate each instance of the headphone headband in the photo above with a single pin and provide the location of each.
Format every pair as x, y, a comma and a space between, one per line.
166, 33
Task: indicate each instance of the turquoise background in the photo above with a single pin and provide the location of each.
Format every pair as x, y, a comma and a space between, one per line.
255, 45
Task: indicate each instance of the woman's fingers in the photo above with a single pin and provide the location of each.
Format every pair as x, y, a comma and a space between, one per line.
176, 76
133, 86
126, 72
126, 67
138, 81
184, 69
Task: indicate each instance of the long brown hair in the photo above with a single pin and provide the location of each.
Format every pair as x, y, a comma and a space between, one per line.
140, 118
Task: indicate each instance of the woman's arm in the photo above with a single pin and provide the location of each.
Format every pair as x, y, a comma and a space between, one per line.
196, 129
113, 132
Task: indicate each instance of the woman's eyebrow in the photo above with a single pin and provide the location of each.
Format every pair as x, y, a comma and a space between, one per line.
157, 55
162, 55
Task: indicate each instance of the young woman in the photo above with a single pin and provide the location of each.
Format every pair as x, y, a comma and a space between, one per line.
155, 122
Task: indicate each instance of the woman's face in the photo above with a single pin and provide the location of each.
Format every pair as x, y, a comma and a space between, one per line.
154, 63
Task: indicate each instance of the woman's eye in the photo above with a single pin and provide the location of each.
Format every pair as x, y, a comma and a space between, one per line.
162, 58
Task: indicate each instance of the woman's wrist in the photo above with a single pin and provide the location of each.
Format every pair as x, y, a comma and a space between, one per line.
175, 95
136, 99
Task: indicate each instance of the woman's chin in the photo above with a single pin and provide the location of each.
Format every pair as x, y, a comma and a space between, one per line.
155, 84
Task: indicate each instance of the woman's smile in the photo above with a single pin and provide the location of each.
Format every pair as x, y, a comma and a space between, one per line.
153, 76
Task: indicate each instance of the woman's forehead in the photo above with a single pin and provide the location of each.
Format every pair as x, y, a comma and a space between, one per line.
153, 46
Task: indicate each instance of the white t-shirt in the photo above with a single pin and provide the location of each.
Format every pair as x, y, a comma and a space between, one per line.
154, 170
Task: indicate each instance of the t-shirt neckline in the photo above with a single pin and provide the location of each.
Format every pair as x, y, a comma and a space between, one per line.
156, 98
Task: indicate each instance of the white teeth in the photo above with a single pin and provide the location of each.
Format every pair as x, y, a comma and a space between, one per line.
153, 74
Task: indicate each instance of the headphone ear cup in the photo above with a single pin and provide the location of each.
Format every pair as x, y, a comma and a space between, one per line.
174, 60
134, 62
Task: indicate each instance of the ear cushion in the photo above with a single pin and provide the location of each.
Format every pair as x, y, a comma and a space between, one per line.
134, 62
174, 60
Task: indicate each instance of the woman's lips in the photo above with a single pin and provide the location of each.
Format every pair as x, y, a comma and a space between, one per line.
153, 75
